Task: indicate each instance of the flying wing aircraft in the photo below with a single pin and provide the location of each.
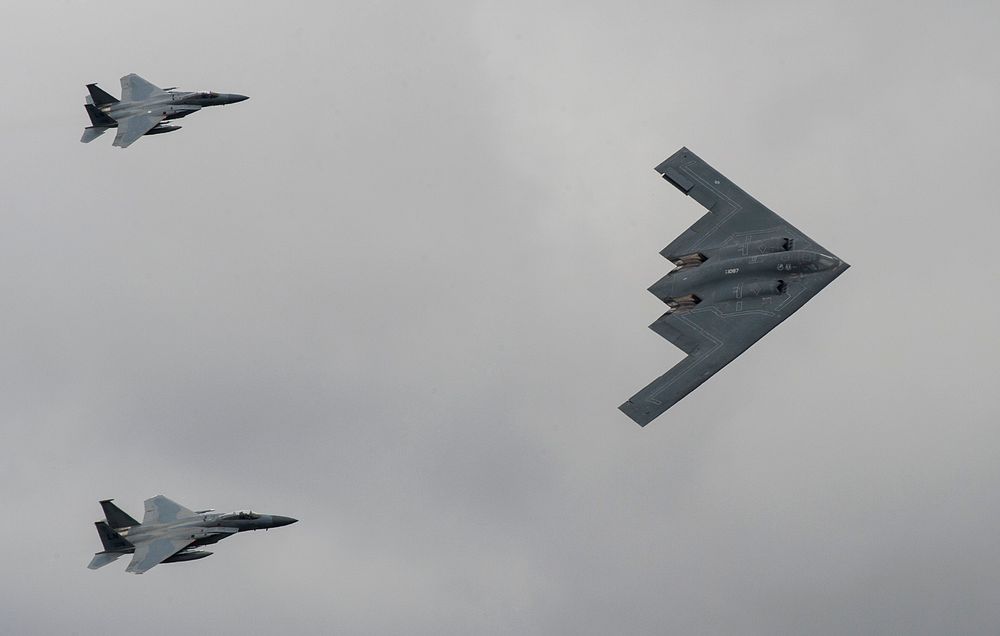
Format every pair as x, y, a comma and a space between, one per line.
739, 271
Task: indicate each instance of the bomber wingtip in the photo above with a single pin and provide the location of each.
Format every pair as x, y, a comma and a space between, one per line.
628, 408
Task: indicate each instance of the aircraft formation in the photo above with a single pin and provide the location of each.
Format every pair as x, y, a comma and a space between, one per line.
739, 271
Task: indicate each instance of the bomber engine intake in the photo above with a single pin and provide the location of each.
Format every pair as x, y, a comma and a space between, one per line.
770, 246
721, 293
762, 288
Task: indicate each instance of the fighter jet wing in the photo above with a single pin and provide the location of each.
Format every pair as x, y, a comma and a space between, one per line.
159, 509
131, 128
155, 551
713, 335
135, 89
731, 211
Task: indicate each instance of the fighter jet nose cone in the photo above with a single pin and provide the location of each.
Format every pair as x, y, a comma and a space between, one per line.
282, 521
240, 98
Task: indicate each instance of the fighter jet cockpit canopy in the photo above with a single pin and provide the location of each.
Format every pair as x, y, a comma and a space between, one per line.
242, 515
207, 94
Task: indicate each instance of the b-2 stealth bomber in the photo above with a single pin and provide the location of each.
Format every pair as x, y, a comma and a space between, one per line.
169, 532
739, 271
143, 108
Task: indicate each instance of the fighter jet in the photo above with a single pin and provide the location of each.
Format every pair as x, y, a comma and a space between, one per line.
169, 532
738, 272
143, 108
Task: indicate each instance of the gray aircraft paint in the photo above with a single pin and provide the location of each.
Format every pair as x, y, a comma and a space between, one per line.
740, 270
169, 532
143, 108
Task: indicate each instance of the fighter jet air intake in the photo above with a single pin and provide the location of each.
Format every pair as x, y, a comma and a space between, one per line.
169, 532
738, 272
143, 108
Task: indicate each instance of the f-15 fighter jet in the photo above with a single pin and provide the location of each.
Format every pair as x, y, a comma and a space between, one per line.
738, 272
143, 108
169, 532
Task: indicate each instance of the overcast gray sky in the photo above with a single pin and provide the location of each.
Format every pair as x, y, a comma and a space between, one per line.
400, 293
